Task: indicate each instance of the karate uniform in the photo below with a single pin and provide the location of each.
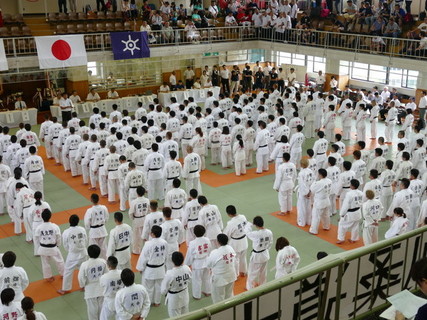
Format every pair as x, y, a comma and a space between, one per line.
305, 180
249, 140
24, 199
320, 147
277, 154
153, 168
173, 233
151, 263
213, 139
399, 226
48, 236
262, 240
171, 171
371, 211
284, 184
350, 215
122, 171
359, 168
376, 186
211, 219
74, 240
321, 191
34, 172
221, 261
89, 278
176, 199
71, 146
373, 118
261, 148
152, 219
98, 165
111, 283
361, 125
138, 209
111, 166
119, 245
35, 218
196, 257
132, 300
387, 178
287, 261
297, 140
95, 219
403, 199
16, 278
390, 122
84, 163
134, 179
236, 230
190, 218
5, 174
43, 135
91, 150
377, 163
329, 125
11, 311
191, 172
175, 287
346, 117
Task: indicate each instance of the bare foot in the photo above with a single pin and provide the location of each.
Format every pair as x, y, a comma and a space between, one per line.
51, 279
62, 292
339, 242
206, 294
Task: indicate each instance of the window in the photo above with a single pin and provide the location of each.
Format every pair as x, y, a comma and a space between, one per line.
256, 55
298, 59
345, 67
316, 64
377, 73
360, 71
284, 58
91, 66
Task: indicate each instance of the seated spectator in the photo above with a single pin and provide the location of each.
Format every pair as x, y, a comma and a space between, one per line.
213, 10
378, 26
180, 85
230, 20
391, 29
398, 14
305, 21
284, 7
350, 10
364, 13
168, 33
197, 20
146, 11
156, 21
133, 9
421, 50
147, 28
244, 17
385, 11
197, 5
233, 6
125, 9
164, 87
182, 12
252, 5
166, 10
196, 84
192, 33
414, 34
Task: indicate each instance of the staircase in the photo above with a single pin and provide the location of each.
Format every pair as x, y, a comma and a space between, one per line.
38, 25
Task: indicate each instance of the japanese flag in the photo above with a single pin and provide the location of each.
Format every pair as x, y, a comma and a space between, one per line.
3, 60
61, 51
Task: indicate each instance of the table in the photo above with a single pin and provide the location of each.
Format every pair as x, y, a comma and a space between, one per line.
199, 95
85, 110
13, 118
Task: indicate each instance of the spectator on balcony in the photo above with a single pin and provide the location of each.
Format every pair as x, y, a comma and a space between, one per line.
182, 12
274, 5
385, 10
244, 17
304, 22
294, 13
364, 14
350, 10
213, 10
230, 20
421, 50
192, 35
399, 14
125, 9
197, 20
156, 21
168, 33
146, 10
257, 20
146, 27
391, 29
284, 7
62, 4
73, 6
133, 9
281, 26
266, 23
196, 4
233, 6
370, 19
378, 26
252, 5
189, 73
166, 10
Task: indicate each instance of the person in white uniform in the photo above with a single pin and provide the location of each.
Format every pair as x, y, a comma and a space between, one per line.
111, 166
287, 259
320, 147
111, 283
305, 180
196, 258
153, 167
24, 199
12, 276
48, 236
284, 184
173, 233
190, 216
176, 199
132, 301
27, 305
399, 224
350, 213
9, 308
371, 212
236, 229
262, 239
138, 210
95, 219
134, 178
172, 170
151, 264
211, 219
120, 241
390, 122
175, 286
89, 277
261, 147
74, 240
35, 215
221, 262
191, 170
34, 170
321, 190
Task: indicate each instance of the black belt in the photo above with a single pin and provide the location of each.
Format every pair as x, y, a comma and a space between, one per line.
139, 217
193, 219
139, 165
186, 138
239, 238
375, 117
175, 292
72, 149
133, 187
392, 119
122, 249
36, 171
155, 169
193, 171
258, 251
215, 141
97, 226
319, 154
226, 145
54, 138
112, 170
47, 245
386, 186
353, 209
346, 187
26, 207
262, 146
155, 266
177, 208
101, 165
172, 178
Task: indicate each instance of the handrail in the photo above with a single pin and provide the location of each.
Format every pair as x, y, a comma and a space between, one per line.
360, 43
316, 268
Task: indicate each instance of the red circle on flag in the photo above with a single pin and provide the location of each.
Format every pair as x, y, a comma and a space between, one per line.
61, 50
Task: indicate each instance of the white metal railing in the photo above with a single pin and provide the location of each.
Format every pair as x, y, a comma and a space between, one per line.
396, 47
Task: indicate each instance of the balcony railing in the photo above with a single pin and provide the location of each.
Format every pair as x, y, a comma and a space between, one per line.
392, 47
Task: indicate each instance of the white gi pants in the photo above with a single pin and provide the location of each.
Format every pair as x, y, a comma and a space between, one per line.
285, 200
329, 134
296, 158
344, 226
75, 168
226, 160
221, 293
102, 243
386, 202
346, 132
47, 269
319, 215
103, 184
66, 162
85, 172
303, 210
309, 129
361, 133
28, 224
257, 274
174, 312
36, 186
241, 263
184, 144
374, 128
193, 183
370, 234
389, 129
201, 282
48, 148
113, 188
333, 207
93, 178
261, 162
94, 306
56, 154
249, 156
155, 189
122, 197
240, 167
153, 289
3, 203
70, 266
108, 310
136, 238
215, 154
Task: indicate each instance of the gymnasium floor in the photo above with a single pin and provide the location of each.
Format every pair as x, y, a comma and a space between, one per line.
252, 195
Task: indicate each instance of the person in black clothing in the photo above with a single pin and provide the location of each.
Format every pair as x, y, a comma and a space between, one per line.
259, 76
273, 77
419, 275
247, 78
215, 77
